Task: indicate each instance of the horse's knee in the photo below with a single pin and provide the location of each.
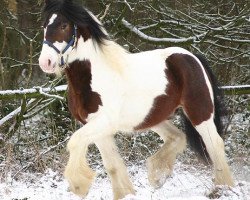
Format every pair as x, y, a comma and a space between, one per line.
112, 171
74, 140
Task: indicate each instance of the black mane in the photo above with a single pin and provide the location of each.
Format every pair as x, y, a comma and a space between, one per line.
75, 14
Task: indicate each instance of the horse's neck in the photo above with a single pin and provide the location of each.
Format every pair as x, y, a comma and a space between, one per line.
89, 60
109, 54
79, 76
115, 55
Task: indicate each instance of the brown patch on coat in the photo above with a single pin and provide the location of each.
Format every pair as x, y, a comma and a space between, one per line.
195, 99
186, 87
81, 99
164, 105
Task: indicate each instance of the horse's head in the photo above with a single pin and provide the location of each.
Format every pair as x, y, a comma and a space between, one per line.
59, 40
65, 22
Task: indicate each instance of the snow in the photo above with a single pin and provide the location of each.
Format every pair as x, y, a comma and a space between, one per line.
191, 180
61, 88
186, 183
233, 87
33, 90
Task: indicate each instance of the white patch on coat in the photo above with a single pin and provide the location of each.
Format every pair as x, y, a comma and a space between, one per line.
48, 53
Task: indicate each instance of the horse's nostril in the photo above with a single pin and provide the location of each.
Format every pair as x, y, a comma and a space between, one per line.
49, 62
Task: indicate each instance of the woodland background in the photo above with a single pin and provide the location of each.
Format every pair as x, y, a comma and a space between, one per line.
34, 136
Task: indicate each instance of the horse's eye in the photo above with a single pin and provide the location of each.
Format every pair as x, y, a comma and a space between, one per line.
63, 26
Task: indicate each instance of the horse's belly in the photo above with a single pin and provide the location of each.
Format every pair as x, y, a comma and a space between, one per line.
140, 95
134, 110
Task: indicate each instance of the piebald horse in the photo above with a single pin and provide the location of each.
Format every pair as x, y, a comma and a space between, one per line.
110, 90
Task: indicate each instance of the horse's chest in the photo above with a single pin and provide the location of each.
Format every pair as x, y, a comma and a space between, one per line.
83, 103
82, 100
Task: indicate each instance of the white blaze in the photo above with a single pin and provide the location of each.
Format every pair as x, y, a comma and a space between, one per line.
52, 19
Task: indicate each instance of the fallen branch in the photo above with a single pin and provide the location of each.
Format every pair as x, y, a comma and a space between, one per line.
34, 93
14, 113
59, 91
28, 107
236, 90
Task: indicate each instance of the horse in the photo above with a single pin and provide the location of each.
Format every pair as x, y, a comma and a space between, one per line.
111, 89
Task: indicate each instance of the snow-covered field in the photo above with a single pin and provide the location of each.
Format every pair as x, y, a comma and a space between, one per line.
187, 182
191, 180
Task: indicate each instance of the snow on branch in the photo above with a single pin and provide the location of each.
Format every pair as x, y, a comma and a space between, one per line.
41, 91
169, 41
13, 113
34, 93
37, 92
236, 90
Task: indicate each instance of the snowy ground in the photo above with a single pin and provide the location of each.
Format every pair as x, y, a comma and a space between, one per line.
187, 182
191, 180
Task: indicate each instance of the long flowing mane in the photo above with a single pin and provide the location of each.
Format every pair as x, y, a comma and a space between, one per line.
77, 15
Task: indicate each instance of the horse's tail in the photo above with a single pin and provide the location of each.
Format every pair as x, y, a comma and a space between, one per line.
193, 137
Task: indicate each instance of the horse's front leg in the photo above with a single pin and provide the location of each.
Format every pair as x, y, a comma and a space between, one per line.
77, 171
115, 167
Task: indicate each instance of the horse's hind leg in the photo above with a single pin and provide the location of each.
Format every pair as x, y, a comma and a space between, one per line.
115, 167
202, 118
160, 165
215, 147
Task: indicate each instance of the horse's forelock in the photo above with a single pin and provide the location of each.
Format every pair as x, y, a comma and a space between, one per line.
77, 15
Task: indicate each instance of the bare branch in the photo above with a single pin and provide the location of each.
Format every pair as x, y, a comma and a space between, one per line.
154, 40
14, 113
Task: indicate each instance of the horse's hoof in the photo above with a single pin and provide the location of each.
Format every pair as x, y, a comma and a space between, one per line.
79, 184
157, 174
